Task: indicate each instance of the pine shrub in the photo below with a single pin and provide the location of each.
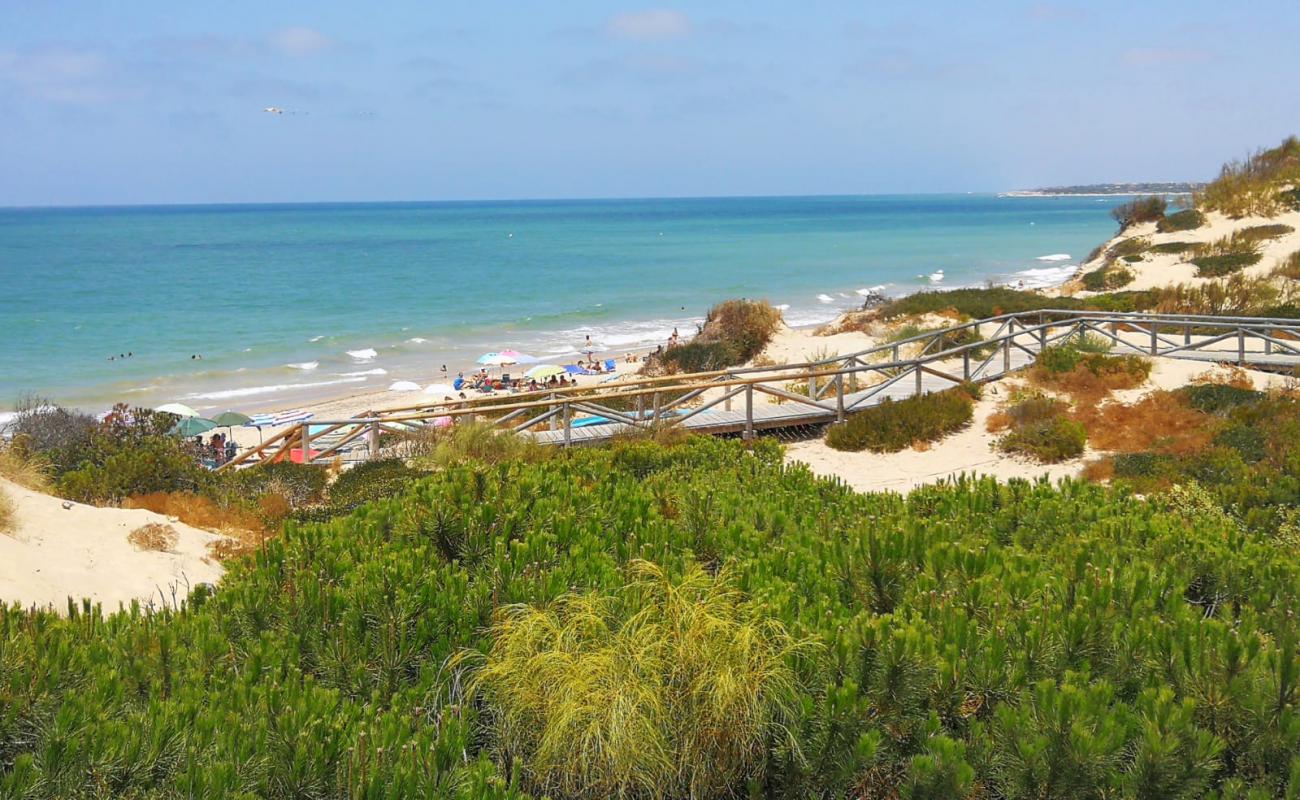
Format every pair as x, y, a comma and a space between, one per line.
895, 425
1186, 220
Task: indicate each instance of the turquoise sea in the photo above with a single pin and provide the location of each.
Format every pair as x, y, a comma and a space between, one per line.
286, 302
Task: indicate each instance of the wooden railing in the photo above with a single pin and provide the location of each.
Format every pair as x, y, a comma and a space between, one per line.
828, 389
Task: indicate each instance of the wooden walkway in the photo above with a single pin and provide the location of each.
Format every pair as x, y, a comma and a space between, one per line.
748, 401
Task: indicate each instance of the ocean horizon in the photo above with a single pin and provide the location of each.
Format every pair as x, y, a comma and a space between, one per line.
292, 301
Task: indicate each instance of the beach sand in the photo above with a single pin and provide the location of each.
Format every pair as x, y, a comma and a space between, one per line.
82, 551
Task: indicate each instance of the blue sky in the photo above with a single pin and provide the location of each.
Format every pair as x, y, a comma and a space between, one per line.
143, 101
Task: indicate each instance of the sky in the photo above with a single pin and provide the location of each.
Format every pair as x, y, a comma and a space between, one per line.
163, 102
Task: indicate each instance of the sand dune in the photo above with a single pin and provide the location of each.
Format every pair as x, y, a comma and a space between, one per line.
82, 551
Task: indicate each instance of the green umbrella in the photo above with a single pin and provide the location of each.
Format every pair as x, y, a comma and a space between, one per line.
229, 419
193, 426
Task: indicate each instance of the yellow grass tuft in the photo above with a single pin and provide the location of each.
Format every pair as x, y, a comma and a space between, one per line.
8, 512
23, 468
154, 536
668, 688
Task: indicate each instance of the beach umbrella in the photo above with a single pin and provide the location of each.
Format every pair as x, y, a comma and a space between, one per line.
440, 389
229, 419
491, 360
404, 386
179, 409
517, 357
544, 371
193, 426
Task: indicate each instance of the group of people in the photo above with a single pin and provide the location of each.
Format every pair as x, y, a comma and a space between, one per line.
219, 449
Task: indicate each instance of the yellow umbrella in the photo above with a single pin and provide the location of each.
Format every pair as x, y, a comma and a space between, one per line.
544, 371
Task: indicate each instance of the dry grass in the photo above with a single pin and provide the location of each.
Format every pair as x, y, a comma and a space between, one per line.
154, 536
25, 469
1225, 375
8, 512
1089, 385
1159, 422
203, 512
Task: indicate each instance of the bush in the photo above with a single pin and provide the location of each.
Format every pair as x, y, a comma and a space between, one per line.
1139, 210
670, 687
1172, 247
479, 442
300, 484
58, 435
20, 465
974, 303
1188, 220
1087, 376
119, 468
1135, 259
1289, 267
370, 481
1263, 233
1134, 246
1040, 430
1218, 266
895, 425
1108, 277
1217, 398
1290, 199
1249, 443
734, 332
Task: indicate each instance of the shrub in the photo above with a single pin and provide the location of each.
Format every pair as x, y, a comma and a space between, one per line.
1041, 430
1188, 220
1263, 233
202, 511
119, 468
1236, 295
734, 332
1134, 259
1290, 198
1108, 277
1087, 376
300, 484
1289, 267
1172, 247
1217, 398
1249, 443
1134, 246
482, 442
1218, 266
1139, 210
1059, 359
370, 481
894, 425
974, 303
58, 435
668, 688
8, 512
154, 536
1160, 421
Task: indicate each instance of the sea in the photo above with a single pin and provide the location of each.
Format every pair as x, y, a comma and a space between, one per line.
257, 307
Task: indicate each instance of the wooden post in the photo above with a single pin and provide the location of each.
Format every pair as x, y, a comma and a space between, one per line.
1006, 354
372, 440
919, 377
749, 411
640, 408
1241, 346
1268, 343
306, 443
655, 403
812, 386
1042, 338
839, 398
1187, 334
568, 424
1154, 345
894, 357
965, 364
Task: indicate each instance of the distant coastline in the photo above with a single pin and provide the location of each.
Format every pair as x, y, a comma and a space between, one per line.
1108, 190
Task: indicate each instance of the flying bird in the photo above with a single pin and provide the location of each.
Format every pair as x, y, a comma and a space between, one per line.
273, 110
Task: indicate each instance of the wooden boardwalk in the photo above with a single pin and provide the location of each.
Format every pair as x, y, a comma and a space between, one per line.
751, 400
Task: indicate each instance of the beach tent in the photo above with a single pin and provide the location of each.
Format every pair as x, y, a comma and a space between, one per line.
440, 390
404, 386
179, 409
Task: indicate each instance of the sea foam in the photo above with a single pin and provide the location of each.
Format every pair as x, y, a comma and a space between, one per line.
365, 354
304, 365
249, 391
1055, 257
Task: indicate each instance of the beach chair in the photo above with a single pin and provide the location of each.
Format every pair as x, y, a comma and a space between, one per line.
611, 365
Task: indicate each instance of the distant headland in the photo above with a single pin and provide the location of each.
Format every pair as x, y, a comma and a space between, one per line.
1103, 189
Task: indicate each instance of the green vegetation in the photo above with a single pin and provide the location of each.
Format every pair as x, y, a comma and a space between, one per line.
1142, 209
895, 425
1047, 441
1173, 247
971, 303
1263, 233
663, 687
1226, 264
1255, 186
734, 332
794, 639
8, 512
1187, 220
1133, 246
1290, 199
1289, 267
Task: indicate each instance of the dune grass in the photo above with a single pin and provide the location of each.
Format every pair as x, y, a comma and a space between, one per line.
8, 512
667, 688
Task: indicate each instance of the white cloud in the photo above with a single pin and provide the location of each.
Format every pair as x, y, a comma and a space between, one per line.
300, 41
657, 23
57, 74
